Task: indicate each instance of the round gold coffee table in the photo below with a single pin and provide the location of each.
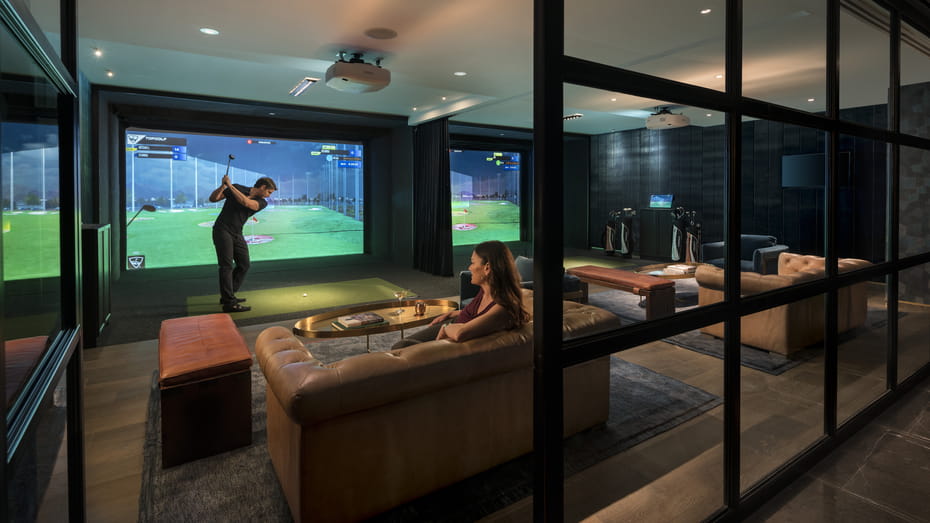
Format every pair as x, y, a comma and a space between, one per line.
322, 325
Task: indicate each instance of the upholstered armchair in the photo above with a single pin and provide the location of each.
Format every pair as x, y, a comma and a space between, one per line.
793, 326
572, 288
757, 253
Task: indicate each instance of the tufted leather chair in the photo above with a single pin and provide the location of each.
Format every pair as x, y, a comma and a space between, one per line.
793, 326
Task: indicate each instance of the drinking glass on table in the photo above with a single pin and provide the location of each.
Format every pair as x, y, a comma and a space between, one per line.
400, 295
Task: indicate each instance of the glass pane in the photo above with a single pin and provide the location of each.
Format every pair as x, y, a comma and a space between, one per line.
915, 82
47, 14
681, 41
38, 490
663, 404
862, 322
864, 55
861, 200
914, 214
783, 204
656, 196
782, 369
913, 320
29, 191
789, 71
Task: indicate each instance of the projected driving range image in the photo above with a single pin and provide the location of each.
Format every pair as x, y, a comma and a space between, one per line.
317, 209
485, 196
29, 170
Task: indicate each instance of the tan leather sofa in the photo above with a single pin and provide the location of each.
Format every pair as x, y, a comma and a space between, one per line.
791, 327
357, 437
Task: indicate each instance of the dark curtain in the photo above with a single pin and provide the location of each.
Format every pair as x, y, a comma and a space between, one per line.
432, 199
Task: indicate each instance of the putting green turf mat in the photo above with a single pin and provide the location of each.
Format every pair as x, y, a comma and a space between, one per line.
286, 300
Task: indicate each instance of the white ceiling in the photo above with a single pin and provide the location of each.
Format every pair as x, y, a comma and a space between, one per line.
264, 48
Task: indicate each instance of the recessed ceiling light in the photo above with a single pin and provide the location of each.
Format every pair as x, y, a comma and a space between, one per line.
271, 113
613, 99
443, 98
810, 99
381, 33
501, 134
460, 73
572, 116
719, 76
109, 73
97, 52
209, 31
414, 108
705, 11
709, 115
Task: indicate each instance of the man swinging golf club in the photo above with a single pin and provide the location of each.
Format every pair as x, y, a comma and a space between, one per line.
232, 252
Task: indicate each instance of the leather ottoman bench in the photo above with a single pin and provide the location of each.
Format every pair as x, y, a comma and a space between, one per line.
659, 292
205, 386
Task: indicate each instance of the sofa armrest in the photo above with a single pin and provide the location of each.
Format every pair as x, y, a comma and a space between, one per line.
467, 290
765, 259
713, 250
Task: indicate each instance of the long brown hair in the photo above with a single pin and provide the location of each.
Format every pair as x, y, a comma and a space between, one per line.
504, 280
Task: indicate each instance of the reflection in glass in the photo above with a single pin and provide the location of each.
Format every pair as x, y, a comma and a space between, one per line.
863, 64
913, 320
38, 490
914, 215
862, 316
663, 430
861, 198
786, 71
915, 82
29, 185
781, 402
680, 41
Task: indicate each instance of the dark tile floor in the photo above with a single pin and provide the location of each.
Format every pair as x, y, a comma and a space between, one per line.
882, 473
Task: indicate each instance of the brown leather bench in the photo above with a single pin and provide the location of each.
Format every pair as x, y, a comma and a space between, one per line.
206, 388
658, 292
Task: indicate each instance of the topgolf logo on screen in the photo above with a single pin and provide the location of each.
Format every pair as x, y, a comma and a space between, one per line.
136, 262
133, 139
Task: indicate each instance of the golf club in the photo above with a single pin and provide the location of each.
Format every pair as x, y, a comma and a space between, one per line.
146, 208
231, 158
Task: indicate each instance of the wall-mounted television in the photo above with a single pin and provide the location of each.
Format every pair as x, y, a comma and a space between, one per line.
809, 170
661, 201
318, 209
485, 195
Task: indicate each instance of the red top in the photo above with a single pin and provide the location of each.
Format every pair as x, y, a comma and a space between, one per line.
471, 311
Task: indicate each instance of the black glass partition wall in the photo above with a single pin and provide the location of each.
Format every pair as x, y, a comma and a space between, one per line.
775, 424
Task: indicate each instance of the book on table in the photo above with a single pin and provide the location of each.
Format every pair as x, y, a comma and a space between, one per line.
361, 319
680, 269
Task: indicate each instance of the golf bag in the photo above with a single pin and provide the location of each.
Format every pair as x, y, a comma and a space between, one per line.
693, 254
609, 238
678, 234
626, 232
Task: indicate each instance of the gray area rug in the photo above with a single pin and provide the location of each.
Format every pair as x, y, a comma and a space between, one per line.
626, 306
241, 484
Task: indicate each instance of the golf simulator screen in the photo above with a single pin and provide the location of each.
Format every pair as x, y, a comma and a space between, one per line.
316, 211
485, 196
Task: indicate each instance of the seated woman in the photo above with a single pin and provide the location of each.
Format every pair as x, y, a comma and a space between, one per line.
497, 306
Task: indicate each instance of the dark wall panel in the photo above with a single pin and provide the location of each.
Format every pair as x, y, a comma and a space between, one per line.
628, 166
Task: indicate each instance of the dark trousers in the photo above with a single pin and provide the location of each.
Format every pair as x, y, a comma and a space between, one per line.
232, 255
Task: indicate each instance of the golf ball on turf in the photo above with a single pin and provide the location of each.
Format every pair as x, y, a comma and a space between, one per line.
305, 295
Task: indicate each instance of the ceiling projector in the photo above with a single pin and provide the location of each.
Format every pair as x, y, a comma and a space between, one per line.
357, 76
664, 119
